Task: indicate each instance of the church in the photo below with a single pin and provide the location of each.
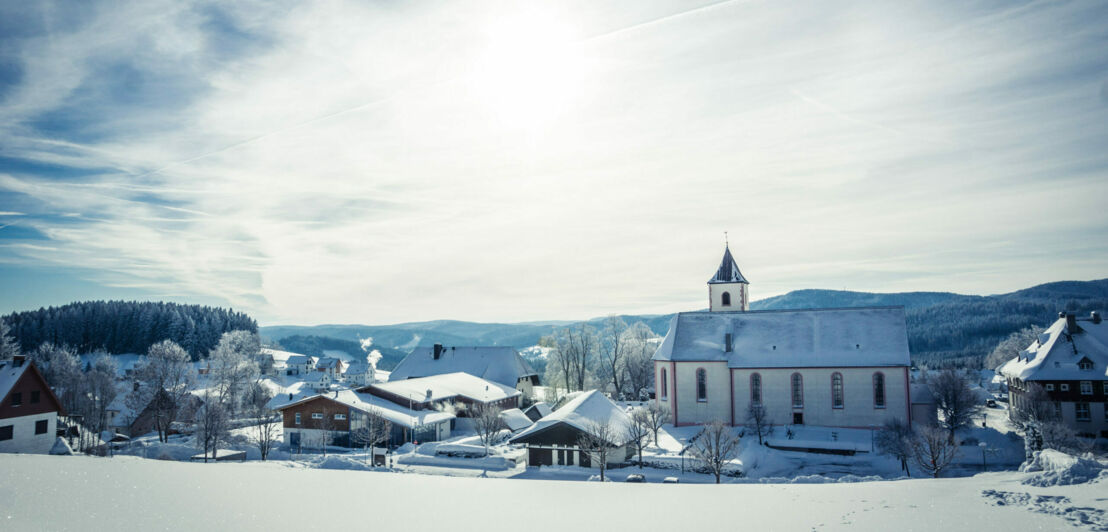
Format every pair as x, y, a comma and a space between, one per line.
844, 367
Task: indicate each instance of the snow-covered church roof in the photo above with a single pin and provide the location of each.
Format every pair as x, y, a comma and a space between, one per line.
728, 271
494, 363
1058, 350
847, 337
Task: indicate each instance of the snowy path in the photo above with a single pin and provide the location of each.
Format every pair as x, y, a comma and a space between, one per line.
124, 493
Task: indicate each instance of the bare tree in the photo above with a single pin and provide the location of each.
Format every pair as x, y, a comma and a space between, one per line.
933, 450
640, 368
234, 366
715, 447
955, 400
162, 387
265, 434
8, 346
375, 430
637, 433
212, 424
658, 416
575, 351
895, 439
757, 420
597, 441
487, 423
613, 350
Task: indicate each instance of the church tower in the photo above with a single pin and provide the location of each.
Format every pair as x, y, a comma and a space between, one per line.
728, 289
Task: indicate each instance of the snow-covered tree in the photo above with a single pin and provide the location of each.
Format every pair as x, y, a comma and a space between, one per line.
596, 441
757, 421
212, 424
100, 389
715, 447
933, 450
640, 368
267, 430
613, 346
487, 423
163, 383
955, 400
62, 370
657, 416
234, 366
637, 433
895, 439
8, 346
1011, 346
376, 429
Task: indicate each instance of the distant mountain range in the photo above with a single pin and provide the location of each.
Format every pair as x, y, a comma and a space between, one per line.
943, 328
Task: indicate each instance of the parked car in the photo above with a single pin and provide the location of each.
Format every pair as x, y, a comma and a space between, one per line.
671, 480
991, 403
635, 477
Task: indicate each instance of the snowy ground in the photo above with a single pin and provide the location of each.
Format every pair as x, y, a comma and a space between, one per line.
126, 493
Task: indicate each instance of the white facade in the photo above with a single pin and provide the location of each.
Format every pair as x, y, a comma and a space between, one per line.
24, 439
736, 297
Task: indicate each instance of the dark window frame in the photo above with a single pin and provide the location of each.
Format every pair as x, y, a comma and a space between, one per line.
796, 389
838, 400
17, 399
7, 432
880, 394
42, 426
701, 385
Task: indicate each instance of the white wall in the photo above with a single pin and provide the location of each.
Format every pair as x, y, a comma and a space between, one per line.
24, 439
858, 406
738, 296
718, 403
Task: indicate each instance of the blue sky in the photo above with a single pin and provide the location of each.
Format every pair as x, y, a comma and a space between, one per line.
375, 162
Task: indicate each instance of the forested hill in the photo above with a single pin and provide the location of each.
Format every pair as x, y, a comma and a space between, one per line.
126, 326
943, 328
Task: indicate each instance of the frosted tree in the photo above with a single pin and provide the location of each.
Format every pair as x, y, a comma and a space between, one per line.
162, 385
574, 353
212, 424
657, 416
234, 366
613, 347
895, 439
597, 442
757, 421
266, 432
715, 447
637, 433
487, 423
8, 346
639, 366
932, 450
61, 368
1011, 346
376, 429
99, 391
955, 400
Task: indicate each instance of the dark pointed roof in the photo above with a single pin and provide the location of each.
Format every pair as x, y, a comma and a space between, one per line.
728, 271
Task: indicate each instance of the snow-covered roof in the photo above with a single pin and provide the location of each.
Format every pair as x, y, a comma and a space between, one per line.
543, 409
494, 363
328, 363
377, 406
316, 376
357, 368
1057, 351
9, 375
448, 386
298, 359
728, 271
875, 336
515, 419
582, 413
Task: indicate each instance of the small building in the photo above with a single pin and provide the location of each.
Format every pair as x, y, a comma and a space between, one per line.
359, 374
266, 363
553, 439
538, 411
335, 419
515, 419
1070, 362
319, 381
299, 365
28, 408
499, 364
925, 410
459, 390
333, 366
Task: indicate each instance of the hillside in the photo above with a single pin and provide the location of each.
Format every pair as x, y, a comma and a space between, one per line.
943, 328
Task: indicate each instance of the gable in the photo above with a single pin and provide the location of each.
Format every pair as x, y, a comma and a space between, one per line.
24, 380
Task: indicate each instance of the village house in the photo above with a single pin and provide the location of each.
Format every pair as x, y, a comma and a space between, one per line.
299, 365
1069, 360
319, 381
553, 440
358, 374
332, 366
453, 390
503, 365
335, 419
28, 408
845, 368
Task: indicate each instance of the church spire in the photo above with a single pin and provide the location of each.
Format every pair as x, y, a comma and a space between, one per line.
728, 271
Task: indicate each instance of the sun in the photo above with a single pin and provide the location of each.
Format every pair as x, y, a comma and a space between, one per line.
530, 70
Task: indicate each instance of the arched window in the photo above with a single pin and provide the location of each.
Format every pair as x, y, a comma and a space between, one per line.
756, 389
798, 390
879, 390
665, 385
701, 385
726, 299
836, 390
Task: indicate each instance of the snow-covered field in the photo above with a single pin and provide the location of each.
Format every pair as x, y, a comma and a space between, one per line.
126, 493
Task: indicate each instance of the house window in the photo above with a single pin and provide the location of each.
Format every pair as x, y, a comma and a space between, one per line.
1050, 387
340, 417
297, 418
879, 390
1058, 410
317, 415
1085, 364
35, 395
798, 390
6, 432
726, 299
665, 385
1086, 387
17, 398
1081, 412
41, 426
756, 389
701, 385
836, 390
1064, 387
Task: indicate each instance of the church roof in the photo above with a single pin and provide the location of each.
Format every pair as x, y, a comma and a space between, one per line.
848, 337
728, 271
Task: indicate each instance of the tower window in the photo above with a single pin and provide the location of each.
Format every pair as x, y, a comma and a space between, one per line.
701, 385
726, 299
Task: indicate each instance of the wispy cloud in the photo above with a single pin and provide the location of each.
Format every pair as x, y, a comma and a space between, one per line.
351, 162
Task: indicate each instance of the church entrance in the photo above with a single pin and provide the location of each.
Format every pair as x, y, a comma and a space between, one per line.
798, 418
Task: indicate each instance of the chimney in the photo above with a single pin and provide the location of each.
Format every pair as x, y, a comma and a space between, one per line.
437, 351
290, 396
1095, 316
1071, 323
428, 394
18, 360
727, 342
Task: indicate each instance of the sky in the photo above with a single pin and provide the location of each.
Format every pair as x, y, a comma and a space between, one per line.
383, 162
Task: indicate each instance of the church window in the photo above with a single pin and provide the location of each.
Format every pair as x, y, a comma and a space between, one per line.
836, 390
798, 390
726, 299
701, 385
879, 390
665, 385
756, 389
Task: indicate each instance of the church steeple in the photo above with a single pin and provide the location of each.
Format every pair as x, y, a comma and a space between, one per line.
727, 290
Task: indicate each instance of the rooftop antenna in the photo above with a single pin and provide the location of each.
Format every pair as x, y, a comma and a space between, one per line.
725, 242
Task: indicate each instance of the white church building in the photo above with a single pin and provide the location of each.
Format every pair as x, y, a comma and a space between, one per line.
843, 368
